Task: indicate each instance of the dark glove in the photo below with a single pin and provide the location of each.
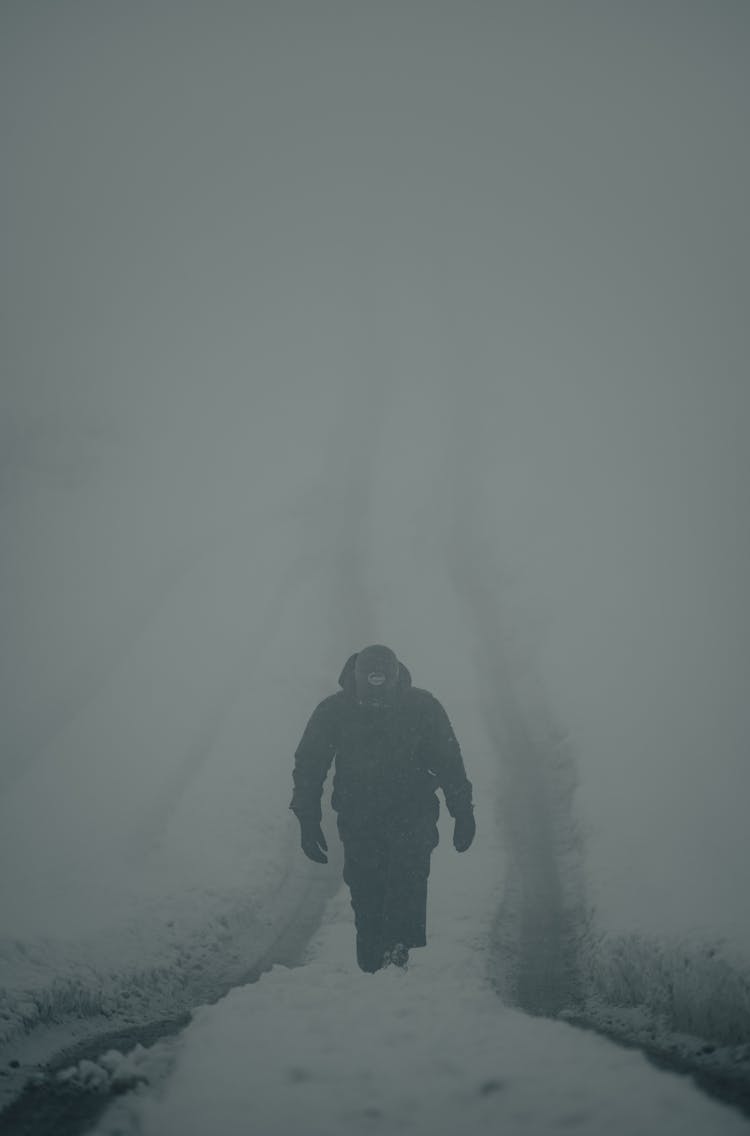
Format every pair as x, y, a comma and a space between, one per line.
313, 841
464, 830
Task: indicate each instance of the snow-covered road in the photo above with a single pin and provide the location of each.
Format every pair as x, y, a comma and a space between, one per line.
323, 1050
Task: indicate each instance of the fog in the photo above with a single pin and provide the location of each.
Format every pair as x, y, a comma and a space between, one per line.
340, 322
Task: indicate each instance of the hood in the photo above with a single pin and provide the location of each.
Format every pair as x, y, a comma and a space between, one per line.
346, 678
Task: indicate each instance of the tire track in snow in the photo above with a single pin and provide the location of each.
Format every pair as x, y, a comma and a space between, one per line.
335, 533
543, 914
544, 931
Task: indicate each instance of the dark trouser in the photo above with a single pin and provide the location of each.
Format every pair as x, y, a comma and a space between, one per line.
386, 865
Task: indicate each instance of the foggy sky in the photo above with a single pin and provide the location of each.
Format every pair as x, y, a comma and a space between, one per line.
282, 282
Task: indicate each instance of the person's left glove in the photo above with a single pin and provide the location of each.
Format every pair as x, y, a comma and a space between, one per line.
313, 841
464, 830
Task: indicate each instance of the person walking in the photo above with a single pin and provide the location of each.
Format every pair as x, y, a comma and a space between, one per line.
392, 746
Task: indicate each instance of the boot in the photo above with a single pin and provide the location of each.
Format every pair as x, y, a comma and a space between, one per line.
397, 955
369, 955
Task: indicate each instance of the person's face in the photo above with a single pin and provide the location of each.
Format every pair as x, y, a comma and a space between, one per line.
375, 676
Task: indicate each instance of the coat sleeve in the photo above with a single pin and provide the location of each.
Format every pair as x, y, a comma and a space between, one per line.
312, 761
448, 763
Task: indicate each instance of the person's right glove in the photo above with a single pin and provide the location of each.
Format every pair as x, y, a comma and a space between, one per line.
313, 841
464, 830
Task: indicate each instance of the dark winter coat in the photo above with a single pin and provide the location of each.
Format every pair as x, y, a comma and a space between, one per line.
389, 760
